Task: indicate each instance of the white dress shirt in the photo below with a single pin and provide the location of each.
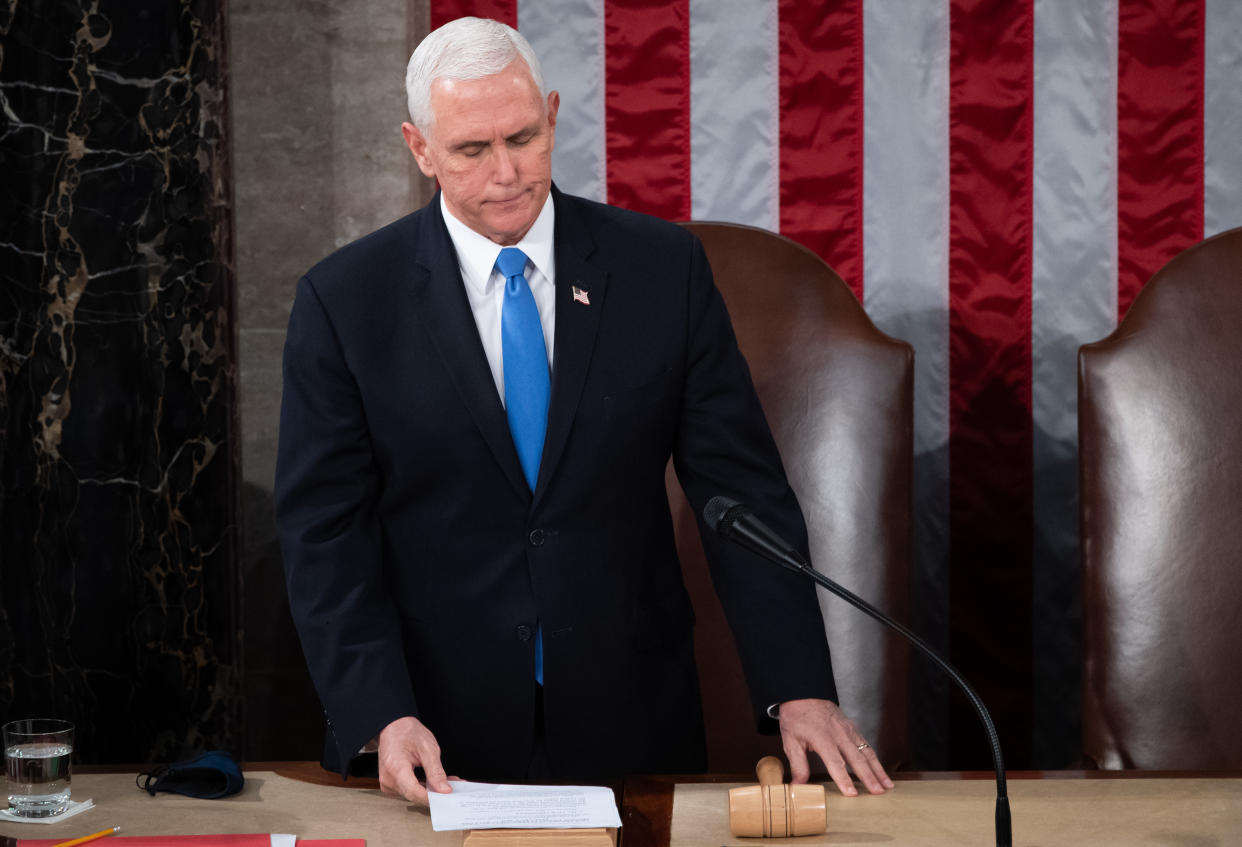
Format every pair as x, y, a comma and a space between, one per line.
485, 287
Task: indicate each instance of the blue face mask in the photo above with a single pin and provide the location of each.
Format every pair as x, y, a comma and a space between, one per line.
207, 776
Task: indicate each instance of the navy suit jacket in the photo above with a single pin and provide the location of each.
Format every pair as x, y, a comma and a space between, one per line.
418, 561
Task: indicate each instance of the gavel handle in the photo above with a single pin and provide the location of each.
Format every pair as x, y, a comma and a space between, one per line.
770, 770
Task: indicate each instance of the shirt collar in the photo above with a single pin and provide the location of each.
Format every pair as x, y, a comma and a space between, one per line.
476, 254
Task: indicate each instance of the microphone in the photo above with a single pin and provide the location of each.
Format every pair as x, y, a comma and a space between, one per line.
739, 524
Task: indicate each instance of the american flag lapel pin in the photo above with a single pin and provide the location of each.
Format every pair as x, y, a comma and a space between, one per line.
581, 295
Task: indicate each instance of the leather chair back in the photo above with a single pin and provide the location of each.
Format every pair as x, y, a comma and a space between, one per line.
1160, 458
838, 395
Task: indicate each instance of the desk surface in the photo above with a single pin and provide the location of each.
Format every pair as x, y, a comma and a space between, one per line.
1049, 808
1100, 813
925, 809
270, 802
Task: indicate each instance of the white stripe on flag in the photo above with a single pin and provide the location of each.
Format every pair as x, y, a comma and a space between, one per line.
1073, 301
734, 118
906, 272
568, 38
1222, 136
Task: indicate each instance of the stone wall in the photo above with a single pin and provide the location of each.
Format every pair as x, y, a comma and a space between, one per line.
318, 101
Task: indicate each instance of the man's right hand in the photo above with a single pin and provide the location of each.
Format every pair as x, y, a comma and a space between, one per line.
404, 745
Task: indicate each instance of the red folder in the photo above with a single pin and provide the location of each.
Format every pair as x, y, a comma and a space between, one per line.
256, 840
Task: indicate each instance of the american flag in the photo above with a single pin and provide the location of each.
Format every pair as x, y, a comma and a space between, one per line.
995, 179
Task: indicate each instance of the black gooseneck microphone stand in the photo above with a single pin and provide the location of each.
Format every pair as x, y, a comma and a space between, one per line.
738, 523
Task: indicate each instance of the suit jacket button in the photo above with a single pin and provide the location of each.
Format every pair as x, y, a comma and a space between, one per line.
536, 537
524, 632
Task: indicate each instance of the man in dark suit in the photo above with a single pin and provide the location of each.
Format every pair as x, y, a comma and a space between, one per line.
498, 606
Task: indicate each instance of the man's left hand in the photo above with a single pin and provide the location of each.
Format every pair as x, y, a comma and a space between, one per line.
820, 726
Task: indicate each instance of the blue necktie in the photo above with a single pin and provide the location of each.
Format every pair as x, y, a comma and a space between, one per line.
527, 382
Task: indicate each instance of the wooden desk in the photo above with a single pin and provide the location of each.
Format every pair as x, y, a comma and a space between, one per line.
1097, 808
1049, 808
272, 801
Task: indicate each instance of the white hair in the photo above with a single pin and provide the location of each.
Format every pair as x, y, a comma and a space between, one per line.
467, 48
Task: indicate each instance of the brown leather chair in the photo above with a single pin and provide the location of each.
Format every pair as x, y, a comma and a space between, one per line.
838, 395
1160, 457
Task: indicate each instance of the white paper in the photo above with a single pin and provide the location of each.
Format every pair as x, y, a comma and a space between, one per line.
283, 840
75, 807
481, 805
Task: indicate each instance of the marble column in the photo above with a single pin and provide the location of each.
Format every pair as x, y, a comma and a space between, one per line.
118, 536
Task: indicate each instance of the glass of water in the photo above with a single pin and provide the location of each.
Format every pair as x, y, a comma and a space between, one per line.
36, 762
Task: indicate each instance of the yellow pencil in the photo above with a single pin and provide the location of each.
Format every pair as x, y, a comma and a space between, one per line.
86, 838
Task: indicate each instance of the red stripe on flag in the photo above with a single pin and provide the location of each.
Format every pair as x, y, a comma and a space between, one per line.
1159, 137
821, 131
443, 11
647, 105
990, 448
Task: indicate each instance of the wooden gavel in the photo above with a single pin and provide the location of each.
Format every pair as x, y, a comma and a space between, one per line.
774, 809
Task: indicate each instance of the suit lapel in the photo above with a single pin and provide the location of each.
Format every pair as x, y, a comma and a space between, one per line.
576, 326
445, 312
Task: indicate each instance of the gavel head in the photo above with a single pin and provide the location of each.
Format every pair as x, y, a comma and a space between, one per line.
776, 810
